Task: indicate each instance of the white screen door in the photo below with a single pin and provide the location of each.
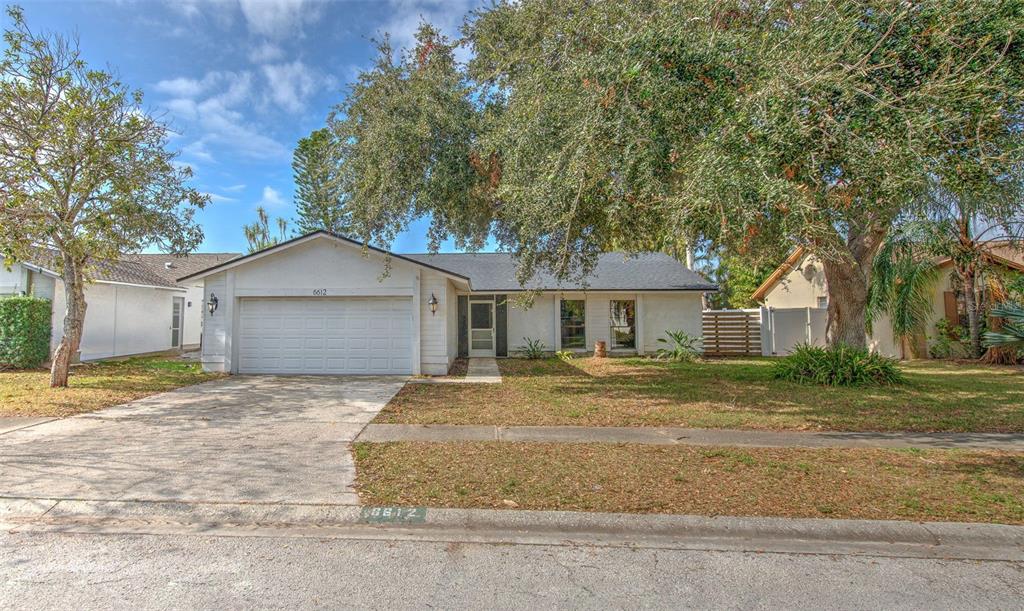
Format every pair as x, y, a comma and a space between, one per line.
481, 328
177, 314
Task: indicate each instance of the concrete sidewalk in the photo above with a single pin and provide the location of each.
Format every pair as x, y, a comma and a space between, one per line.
522, 527
683, 436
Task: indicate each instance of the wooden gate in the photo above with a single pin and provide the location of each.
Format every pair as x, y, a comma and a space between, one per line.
732, 332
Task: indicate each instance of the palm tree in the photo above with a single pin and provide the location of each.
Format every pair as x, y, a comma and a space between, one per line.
259, 234
965, 228
1012, 333
902, 279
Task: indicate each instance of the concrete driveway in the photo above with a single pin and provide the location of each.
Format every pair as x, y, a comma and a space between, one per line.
239, 440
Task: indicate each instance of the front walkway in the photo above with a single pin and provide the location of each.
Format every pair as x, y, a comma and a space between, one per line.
683, 436
481, 370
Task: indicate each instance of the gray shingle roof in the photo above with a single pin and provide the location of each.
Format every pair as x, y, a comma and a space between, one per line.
614, 272
182, 266
147, 270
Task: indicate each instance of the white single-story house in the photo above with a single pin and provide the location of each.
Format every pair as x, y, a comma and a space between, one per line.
134, 305
325, 304
800, 283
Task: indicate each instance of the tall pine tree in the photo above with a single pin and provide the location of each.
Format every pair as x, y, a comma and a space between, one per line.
319, 192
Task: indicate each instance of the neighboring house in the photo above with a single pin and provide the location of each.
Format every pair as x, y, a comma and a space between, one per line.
170, 268
323, 304
800, 283
134, 305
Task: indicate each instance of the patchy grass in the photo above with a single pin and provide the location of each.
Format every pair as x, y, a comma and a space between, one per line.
938, 396
94, 386
937, 485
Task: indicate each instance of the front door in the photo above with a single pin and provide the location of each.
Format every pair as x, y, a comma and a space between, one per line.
481, 328
177, 316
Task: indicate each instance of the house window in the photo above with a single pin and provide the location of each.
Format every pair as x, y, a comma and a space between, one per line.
623, 323
574, 332
822, 302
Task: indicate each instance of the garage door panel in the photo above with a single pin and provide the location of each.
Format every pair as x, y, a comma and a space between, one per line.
328, 336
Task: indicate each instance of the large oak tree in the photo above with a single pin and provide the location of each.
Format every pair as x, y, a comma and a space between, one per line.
84, 171
578, 124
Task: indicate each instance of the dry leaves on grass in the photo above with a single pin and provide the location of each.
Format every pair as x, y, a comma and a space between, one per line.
789, 482
94, 386
717, 394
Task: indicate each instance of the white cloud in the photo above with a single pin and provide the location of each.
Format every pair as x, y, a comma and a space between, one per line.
217, 116
271, 198
274, 19
290, 85
265, 52
278, 19
182, 87
234, 188
199, 150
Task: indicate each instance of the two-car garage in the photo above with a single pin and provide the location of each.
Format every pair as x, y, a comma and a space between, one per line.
322, 304
325, 335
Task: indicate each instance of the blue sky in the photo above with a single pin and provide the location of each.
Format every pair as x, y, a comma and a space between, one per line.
240, 81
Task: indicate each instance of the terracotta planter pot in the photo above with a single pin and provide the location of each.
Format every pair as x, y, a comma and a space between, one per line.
600, 349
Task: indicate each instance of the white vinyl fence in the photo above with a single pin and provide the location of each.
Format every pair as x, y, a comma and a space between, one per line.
764, 331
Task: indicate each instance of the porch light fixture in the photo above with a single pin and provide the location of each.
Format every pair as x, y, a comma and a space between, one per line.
211, 305
432, 302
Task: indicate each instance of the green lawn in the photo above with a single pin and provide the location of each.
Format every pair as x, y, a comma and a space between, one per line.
938, 396
94, 386
941, 485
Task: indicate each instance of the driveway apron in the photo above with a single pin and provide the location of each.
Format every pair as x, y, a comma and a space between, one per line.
244, 439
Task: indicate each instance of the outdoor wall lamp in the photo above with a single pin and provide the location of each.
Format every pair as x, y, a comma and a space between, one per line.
432, 302
211, 305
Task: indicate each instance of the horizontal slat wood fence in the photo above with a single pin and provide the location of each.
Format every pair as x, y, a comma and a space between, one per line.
732, 332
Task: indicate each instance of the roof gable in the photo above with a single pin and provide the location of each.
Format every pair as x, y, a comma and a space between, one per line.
316, 235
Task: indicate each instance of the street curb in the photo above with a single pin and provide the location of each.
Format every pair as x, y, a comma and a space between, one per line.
523, 527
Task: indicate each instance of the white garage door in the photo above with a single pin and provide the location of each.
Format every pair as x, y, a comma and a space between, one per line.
321, 336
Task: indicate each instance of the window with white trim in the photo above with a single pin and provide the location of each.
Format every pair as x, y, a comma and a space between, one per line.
623, 323
573, 324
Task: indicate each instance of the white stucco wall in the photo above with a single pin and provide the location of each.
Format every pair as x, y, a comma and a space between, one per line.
215, 325
801, 287
434, 327
451, 311
193, 328
535, 321
12, 280
670, 312
655, 313
120, 320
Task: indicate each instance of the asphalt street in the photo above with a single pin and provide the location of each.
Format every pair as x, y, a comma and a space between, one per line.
90, 571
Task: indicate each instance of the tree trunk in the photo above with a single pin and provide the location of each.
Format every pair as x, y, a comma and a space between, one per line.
847, 305
74, 319
848, 277
970, 279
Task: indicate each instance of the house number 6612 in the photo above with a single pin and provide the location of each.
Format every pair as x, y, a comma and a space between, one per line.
319, 292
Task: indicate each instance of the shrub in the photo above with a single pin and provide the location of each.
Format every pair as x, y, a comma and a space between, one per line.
534, 348
947, 343
24, 332
837, 366
682, 347
565, 355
